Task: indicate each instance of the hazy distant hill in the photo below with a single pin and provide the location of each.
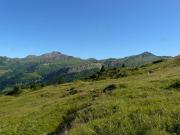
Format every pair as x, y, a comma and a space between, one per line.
57, 67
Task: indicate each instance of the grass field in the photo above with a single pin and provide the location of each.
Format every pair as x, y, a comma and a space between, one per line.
144, 103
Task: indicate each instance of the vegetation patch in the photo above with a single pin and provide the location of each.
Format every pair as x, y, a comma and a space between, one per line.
14, 92
66, 123
46, 95
158, 61
94, 94
72, 91
175, 85
68, 120
122, 85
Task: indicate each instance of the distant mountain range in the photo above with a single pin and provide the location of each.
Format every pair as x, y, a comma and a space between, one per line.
56, 67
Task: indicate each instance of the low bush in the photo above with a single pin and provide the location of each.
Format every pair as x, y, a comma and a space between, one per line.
13, 92
158, 61
72, 91
109, 88
175, 85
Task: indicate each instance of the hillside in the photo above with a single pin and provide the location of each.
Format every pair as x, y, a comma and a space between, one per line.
35, 69
56, 67
144, 102
133, 61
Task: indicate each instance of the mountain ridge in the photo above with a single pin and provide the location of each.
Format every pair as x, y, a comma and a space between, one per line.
60, 53
26, 71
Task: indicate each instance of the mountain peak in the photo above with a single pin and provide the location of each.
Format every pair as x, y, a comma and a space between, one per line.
145, 54
54, 54
31, 56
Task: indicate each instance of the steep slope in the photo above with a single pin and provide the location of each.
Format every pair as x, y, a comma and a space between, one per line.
146, 102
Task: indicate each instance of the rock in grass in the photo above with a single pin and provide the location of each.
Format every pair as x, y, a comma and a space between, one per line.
110, 88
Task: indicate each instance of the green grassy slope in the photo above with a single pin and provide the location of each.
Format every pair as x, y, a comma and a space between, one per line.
144, 103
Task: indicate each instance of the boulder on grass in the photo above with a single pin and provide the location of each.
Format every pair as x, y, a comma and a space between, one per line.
110, 88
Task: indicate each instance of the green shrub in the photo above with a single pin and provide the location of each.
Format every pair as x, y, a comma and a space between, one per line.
109, 88
15, 91
175, 85
72, 91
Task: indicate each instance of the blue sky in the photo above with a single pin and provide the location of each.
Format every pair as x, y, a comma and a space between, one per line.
89, 28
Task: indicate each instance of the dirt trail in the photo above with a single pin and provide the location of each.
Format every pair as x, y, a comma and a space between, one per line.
68, 121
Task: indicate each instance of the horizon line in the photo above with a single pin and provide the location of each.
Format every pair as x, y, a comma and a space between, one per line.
38, 55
